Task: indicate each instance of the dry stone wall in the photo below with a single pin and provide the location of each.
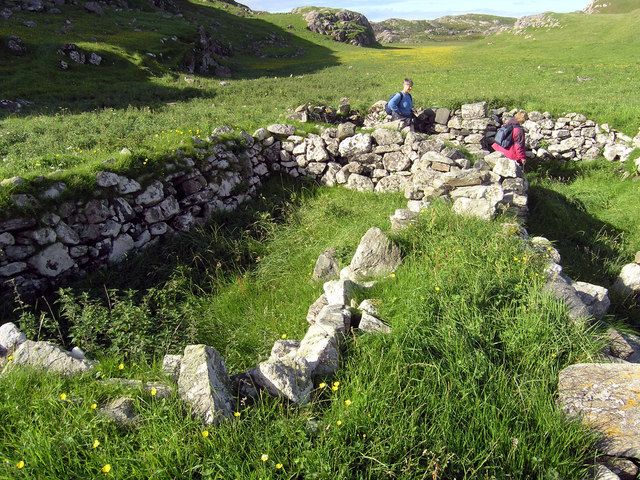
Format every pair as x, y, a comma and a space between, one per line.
127, 215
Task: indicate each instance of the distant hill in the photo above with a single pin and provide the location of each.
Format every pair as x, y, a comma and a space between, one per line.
454, 27
612, 6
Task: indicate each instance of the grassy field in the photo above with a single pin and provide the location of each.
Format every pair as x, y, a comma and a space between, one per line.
465, 385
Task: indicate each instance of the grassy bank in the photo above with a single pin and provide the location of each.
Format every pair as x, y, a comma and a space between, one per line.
462, 388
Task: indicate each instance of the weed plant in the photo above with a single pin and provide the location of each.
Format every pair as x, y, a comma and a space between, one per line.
463, 387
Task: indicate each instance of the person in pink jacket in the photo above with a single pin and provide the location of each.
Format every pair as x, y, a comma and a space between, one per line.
517, 150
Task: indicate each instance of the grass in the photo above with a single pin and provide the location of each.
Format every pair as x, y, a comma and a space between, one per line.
474, 342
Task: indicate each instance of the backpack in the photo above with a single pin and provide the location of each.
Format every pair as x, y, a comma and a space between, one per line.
504, 136
386, 107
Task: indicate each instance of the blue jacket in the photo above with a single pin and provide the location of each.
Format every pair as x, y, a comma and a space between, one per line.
401, 103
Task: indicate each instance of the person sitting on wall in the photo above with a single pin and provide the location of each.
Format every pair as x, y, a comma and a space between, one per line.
401, 106
517, 150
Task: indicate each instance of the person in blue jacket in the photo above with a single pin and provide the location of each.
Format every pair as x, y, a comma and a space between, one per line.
401, 105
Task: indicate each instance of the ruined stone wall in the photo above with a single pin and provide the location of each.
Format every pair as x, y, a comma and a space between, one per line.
127, 215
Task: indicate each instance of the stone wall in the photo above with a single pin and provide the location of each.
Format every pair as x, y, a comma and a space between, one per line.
126, 215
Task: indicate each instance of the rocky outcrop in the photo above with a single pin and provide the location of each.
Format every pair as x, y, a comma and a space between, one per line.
597, 6
341, 25
204, 57
541, 20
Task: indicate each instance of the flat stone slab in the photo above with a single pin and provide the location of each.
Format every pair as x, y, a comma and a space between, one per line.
606, 397
50, 357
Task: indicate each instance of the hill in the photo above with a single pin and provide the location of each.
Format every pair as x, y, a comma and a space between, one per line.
455, 27
612, 6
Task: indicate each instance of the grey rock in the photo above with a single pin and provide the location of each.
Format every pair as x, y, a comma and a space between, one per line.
402, 218
281, 129
17, 224
507, 168
479, 208
595, 297
163, 211
171, 366
560, 286
43, 236
288, 377
605, 397
52, 261
93, 7
126, 186
66, 234
339, 292
12, 269
122, 412
357, 145
375, 255
392, 183
371, 324
320, 350
204, 384
97, 211
152, 195
120, 247
6, 239
326, 266
345, 130
334, 317
316, 307
95, 59
472, 111
11, 337
396, 161
628, 282
624, 346
384, 136
22, 200
360, 183
283, 348
50, 357
107, 179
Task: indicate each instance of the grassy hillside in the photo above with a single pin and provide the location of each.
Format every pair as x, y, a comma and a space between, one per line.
458, 27
615, 6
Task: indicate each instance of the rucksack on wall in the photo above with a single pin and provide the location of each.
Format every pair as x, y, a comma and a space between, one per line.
504, 136
386, 107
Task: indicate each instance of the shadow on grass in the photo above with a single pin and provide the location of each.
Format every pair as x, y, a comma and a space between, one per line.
198, 262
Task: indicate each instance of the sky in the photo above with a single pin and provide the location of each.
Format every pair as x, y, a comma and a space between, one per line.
377, 10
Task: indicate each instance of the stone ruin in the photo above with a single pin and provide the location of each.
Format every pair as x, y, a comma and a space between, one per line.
125, 215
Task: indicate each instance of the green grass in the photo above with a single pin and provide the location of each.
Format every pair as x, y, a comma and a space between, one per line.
474, 343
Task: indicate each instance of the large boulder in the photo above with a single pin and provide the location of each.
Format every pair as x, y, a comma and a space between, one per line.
341, 25
605, 396
204, 383
359, 144
326, 265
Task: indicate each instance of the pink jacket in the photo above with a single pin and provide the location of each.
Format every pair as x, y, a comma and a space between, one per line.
517, 149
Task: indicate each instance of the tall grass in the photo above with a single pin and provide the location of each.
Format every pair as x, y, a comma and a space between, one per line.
462, 388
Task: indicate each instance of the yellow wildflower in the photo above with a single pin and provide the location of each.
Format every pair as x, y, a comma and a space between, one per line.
96, 444
236, 414
322, 385
264, 457
205, 433
94, 406
121, 366
284, 336
63, 396
339, 422
154, 392
278, 466
437, 289
20, 465
106, 468
393, 275
347, 402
